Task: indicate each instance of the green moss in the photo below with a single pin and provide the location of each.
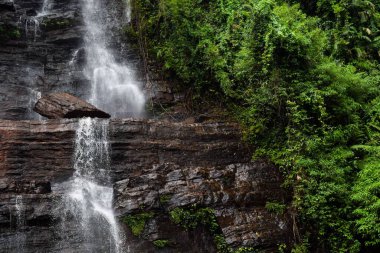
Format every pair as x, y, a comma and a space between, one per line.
275, 207
161, 243
246, 250
8, 32
192, 217
301, 248
137, 222
54, 24
282, 248
221, 244
164, 199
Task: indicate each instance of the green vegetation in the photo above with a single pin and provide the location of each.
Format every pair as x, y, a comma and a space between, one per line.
136, 222
274, 207
246, 250
164, 199
190, 218
303, 79
8, 32
58, 23
161, 243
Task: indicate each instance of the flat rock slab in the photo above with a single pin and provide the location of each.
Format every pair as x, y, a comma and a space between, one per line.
64, 105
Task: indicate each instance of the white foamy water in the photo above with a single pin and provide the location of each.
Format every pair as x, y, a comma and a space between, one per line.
114, 88
88, 199
18, 244
46, 7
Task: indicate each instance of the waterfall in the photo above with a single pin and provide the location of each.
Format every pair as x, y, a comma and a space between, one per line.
16, 244
20, 216
31, 24
128, 12
89, 195
46, 7
19, 241
31, 27
34, 95
114, 87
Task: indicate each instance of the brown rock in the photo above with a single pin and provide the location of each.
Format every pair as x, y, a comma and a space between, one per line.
64, 105
155, 167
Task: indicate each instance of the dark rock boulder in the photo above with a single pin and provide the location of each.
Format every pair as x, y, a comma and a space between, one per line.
64, 105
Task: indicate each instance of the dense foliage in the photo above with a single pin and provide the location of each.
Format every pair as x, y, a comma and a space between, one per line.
303, 77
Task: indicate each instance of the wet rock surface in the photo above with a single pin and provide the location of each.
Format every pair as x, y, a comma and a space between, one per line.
63, 105
35, 58
203, 164
42, 52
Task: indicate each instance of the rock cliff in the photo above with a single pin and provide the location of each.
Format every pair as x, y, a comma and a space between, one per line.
156, 167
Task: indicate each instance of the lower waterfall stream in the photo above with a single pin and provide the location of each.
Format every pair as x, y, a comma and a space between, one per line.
88, 195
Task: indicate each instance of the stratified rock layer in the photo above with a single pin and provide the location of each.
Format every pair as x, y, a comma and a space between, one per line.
63, 105
186, 164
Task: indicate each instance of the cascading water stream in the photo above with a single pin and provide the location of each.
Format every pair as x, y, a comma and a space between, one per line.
46, 7
31, 24
128, 12
20, 222
89, 195
17, 243
114, 88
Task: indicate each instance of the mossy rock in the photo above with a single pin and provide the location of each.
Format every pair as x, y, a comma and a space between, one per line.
58, 23
9, 32
136, 222
164, 199
161, 243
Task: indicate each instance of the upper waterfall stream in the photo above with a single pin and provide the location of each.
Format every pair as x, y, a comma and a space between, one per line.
114, 87
88, 195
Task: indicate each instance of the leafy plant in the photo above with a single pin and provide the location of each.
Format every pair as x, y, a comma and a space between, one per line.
161, 243
275, 207
137, 222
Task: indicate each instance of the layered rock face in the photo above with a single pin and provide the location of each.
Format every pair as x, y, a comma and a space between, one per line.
35, 59
41, 51
203, 165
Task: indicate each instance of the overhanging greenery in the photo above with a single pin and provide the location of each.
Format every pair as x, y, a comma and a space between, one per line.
303, 78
